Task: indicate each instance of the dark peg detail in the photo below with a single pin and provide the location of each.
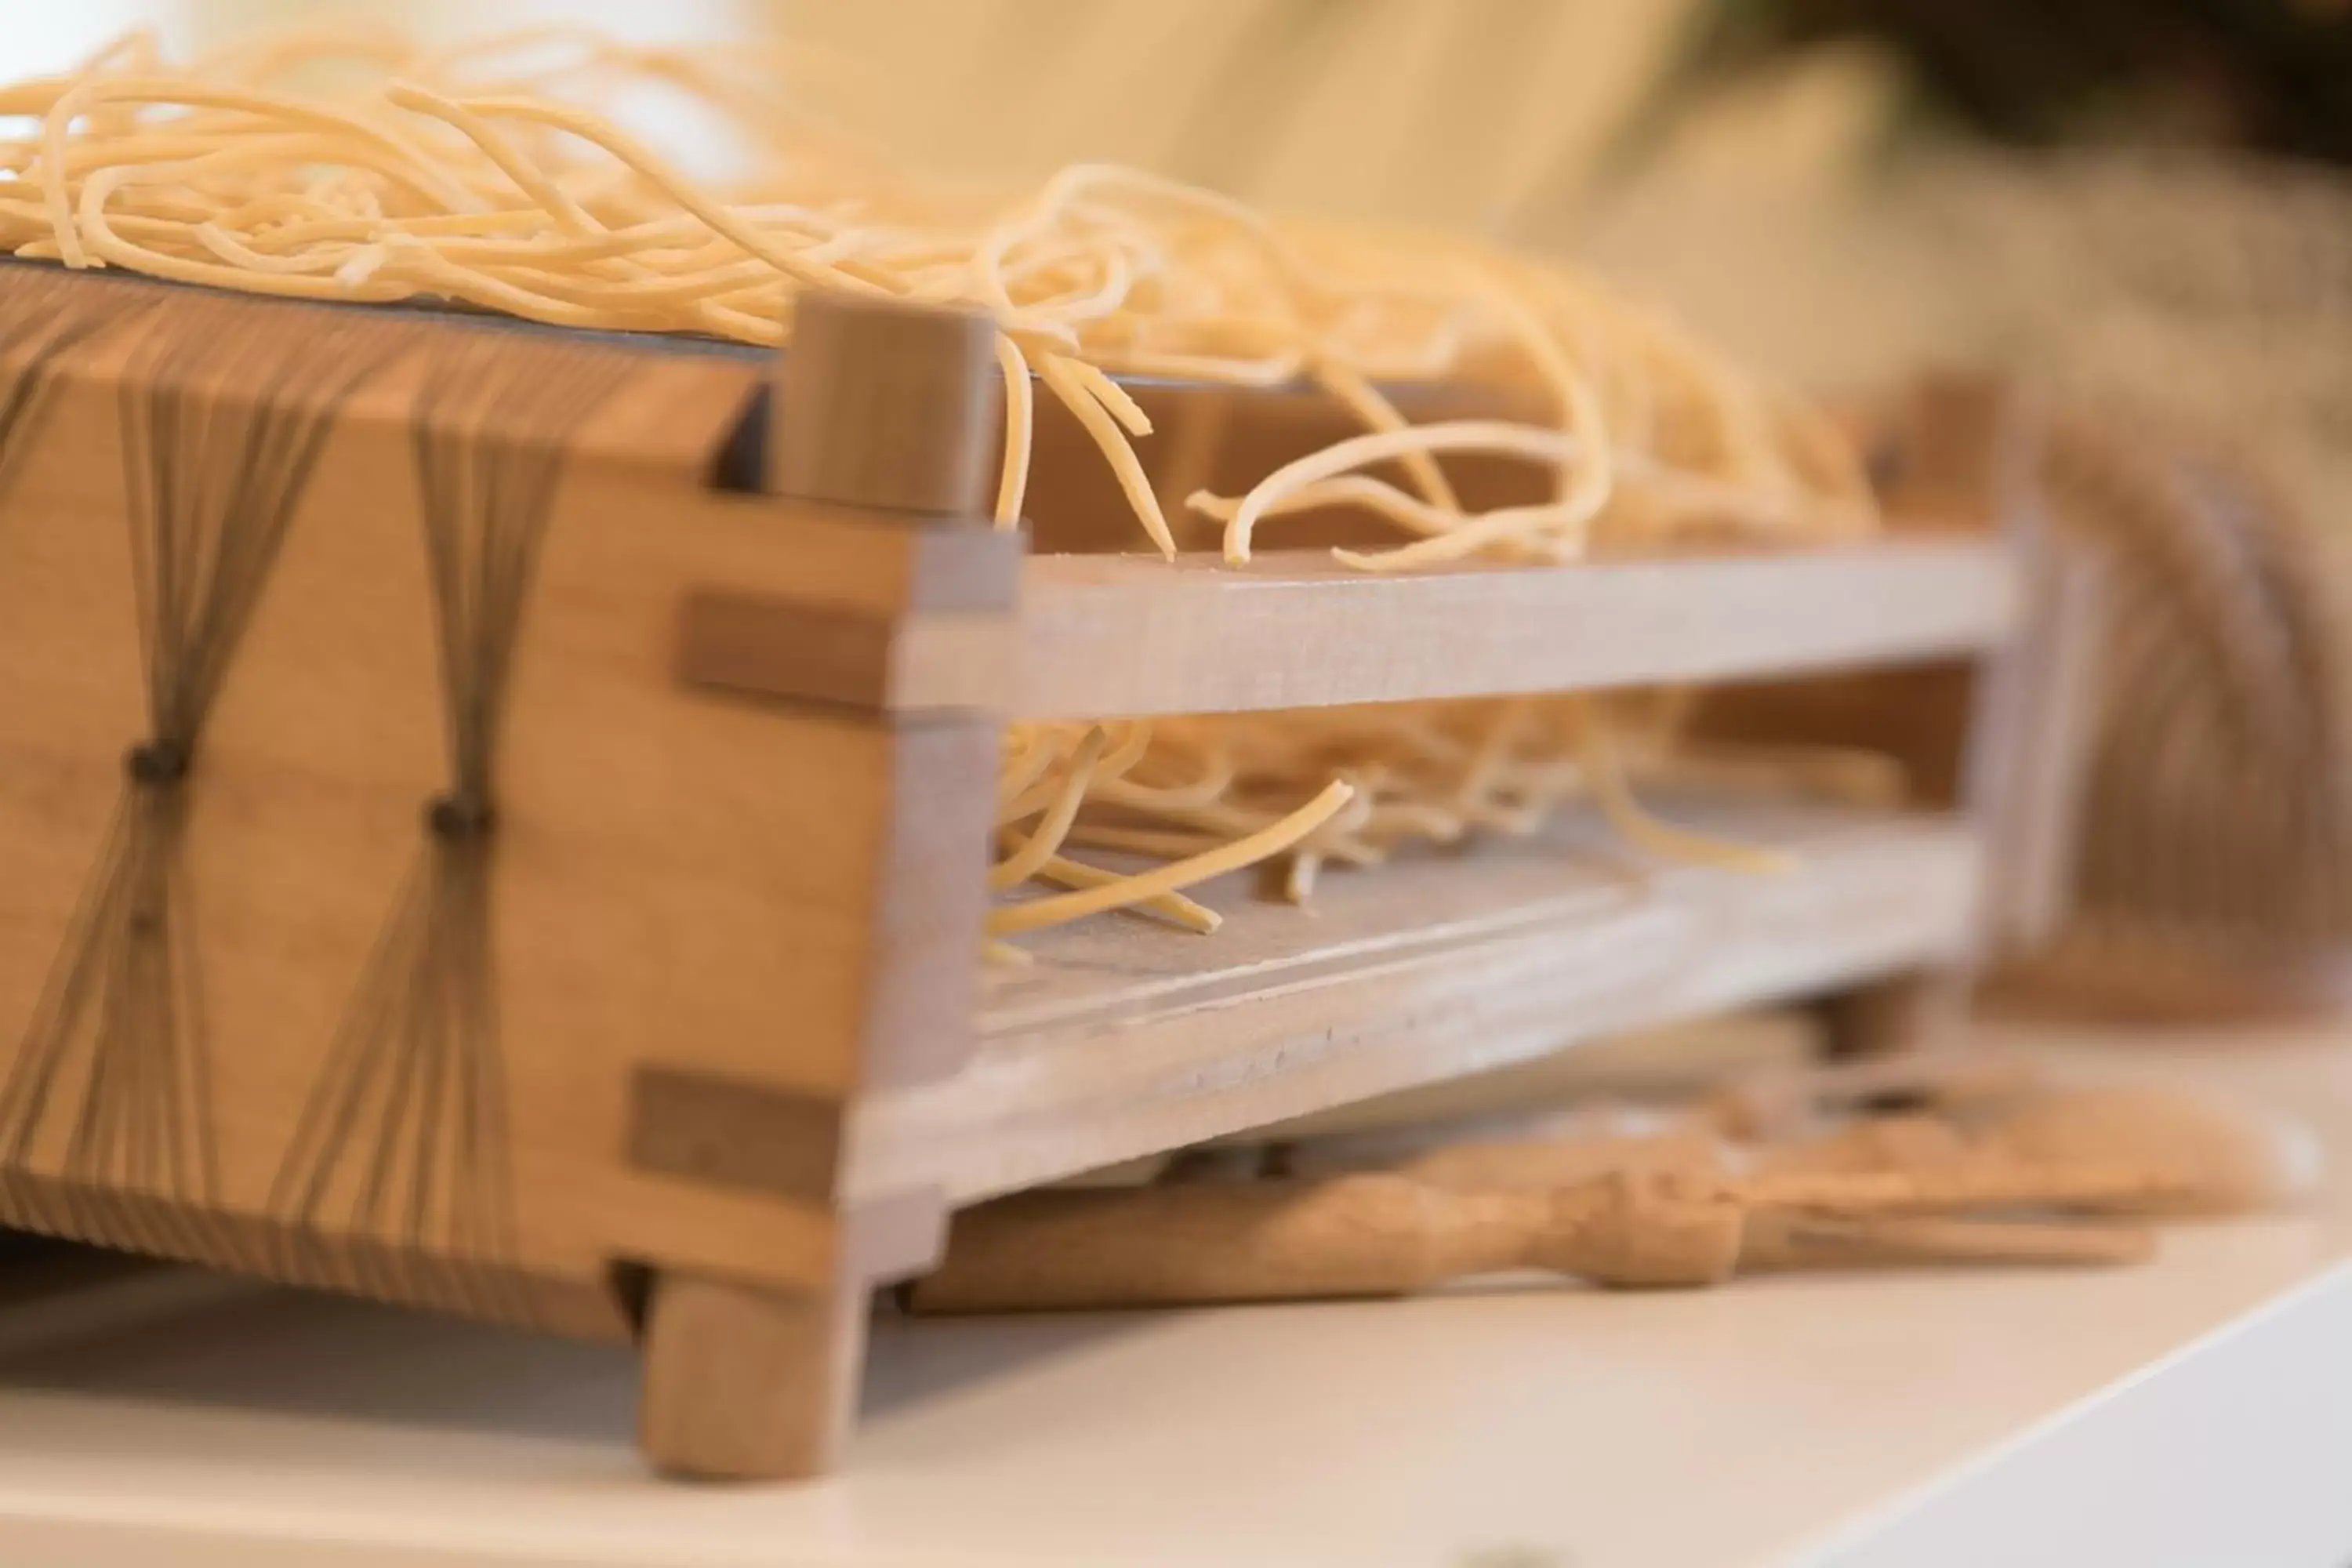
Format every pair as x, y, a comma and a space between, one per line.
460, 818
158, 764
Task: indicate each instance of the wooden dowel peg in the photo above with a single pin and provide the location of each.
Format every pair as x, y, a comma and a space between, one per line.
887, 405
746, 1384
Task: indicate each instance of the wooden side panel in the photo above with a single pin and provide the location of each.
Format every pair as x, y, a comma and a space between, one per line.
424, 1005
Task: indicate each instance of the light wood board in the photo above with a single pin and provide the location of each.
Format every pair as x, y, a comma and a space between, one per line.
1124, 1037
1112, 635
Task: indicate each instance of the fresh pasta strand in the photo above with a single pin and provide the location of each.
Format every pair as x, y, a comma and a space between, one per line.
1006, 920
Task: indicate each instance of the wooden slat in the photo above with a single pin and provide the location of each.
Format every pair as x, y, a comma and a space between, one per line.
1124, 1038
1112, 635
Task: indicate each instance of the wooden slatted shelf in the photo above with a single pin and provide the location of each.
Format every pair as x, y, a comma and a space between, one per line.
1124, 1037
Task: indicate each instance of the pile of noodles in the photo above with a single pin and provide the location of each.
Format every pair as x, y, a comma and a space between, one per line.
351, 166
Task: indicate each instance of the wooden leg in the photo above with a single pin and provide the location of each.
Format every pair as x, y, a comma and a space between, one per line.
1898, 1014
746, 1384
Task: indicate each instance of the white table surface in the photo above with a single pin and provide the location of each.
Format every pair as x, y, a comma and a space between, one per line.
2196, 1411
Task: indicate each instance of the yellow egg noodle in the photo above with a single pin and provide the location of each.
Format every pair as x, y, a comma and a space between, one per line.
489, 175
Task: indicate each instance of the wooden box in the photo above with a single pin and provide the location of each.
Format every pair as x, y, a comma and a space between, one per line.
497, 820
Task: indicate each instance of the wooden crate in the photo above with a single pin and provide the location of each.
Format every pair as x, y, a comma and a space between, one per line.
500, 860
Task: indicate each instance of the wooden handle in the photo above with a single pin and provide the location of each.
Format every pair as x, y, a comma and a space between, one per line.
1790, 1240
1989, 1183
1377, 1234
1354, 1235
1350, 1235
1955, 1179
2140, 1151
2223, 1158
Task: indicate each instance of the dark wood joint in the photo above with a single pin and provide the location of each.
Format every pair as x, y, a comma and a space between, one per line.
730, 1133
